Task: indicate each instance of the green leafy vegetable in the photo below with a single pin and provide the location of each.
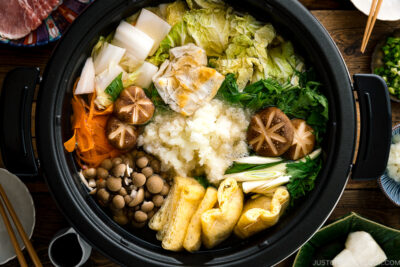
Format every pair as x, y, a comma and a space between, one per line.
194, 4
210, 29
301, 101
281, 62
303, 175
130, 78
234, 43
175, 12
115, 87
299, 175
255, 52
244, 69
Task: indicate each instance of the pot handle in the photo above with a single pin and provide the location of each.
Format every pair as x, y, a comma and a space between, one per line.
15, 121
376, 126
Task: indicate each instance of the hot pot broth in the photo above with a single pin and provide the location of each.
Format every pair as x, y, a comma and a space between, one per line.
148, 235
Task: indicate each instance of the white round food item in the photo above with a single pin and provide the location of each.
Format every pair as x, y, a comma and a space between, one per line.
22, 203
390, 9
86, 80
136, 42
208, 141
146, 73
108, 55
153, 26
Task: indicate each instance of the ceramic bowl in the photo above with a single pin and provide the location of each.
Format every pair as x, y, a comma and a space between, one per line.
22, 202
329, 241
389, 11
390, 187
377, 57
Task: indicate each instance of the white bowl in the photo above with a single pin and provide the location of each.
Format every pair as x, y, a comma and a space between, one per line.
22, 203
390, 9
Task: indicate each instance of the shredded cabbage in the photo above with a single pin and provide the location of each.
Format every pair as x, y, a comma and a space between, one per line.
234, 43
193, 4
175, 12
210, 29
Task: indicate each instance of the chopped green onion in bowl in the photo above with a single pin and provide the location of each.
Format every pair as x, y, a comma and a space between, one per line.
387, 64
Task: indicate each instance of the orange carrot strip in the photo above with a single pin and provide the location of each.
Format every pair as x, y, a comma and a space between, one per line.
89, 140
71, 143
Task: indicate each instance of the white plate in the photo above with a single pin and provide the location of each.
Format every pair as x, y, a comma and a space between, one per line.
390, 9
22, 203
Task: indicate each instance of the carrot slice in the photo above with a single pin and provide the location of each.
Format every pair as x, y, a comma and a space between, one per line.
71, 143
89, 124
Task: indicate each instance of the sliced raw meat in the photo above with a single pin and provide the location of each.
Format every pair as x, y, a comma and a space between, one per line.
29, 11
40, 10
43, 8
16, 20
49, 5
19, 17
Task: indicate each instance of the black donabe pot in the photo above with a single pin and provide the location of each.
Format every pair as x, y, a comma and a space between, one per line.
140, 246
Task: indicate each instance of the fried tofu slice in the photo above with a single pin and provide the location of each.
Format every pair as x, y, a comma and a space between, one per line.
159, 219
175, 230
192, 240
217, 224
261, 213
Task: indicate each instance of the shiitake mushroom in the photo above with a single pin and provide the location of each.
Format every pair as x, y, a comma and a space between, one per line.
121, 135
133, 106
303, 140
270, 133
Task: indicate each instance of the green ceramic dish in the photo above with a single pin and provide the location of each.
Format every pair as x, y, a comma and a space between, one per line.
329, 241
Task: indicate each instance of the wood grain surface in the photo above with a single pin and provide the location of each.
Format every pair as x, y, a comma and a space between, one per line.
346, 27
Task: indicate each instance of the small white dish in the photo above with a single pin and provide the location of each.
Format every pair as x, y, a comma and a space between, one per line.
390, 9
22, 203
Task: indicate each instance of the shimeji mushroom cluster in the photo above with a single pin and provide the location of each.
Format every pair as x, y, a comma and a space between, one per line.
131, 186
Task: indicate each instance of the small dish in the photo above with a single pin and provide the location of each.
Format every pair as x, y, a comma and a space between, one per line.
377, 56
329, 240
390, 9
78, 253
53, 26
390, 187
22, 203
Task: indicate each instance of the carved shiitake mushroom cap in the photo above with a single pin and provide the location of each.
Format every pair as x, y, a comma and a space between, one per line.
303, 140
270, 132
133, 106
121, 135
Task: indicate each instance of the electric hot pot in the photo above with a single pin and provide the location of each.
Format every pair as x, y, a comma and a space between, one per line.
139, 247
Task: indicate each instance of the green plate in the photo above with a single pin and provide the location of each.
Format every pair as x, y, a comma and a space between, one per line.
329, 241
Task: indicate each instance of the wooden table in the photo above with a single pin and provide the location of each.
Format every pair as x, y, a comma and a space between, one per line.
346, 26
